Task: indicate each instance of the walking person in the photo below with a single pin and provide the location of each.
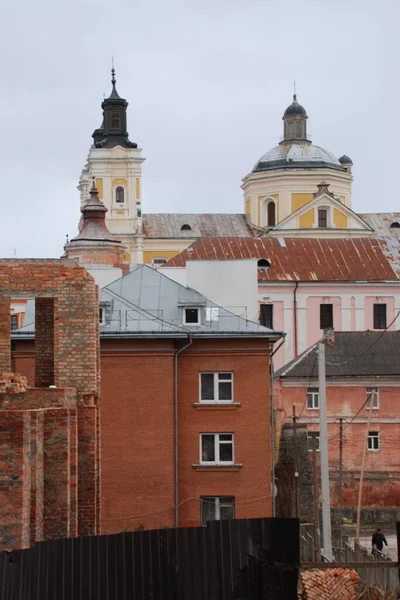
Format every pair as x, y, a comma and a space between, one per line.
378, 539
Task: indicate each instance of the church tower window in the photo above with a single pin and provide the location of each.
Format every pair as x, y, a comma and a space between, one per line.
115, 120
271, 214
120, 195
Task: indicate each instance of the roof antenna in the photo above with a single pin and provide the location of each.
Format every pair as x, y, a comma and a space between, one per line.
294, 91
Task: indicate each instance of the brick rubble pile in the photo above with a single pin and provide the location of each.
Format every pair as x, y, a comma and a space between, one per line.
329, 584
11, 383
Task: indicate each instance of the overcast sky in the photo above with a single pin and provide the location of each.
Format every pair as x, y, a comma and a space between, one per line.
207, 83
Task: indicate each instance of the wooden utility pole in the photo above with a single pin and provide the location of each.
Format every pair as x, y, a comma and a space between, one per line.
341, 471
323, 433
317, 538
296, 472
371, 401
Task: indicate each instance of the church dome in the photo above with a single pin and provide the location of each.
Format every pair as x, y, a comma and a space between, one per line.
345, 160
297, 155
295, 108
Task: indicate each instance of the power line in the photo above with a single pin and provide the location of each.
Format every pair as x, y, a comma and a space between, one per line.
344, 362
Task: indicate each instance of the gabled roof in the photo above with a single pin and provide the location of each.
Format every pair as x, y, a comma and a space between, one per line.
298, 259
146, 303
163, 299
328, 200
169, 225
355, 353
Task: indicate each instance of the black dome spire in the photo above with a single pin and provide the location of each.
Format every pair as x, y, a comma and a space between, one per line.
295, 108
113, 130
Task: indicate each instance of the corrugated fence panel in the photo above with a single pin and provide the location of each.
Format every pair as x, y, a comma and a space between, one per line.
249, 559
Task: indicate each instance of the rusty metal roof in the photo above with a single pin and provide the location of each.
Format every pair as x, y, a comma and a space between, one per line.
294, 259
169, 225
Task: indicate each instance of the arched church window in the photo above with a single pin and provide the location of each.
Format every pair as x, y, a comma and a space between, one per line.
115, 120
271, 214
120, 195
322, 217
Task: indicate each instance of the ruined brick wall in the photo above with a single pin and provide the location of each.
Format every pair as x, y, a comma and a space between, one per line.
50, 437
67, 323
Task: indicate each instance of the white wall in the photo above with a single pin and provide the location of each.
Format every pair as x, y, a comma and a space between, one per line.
230, 283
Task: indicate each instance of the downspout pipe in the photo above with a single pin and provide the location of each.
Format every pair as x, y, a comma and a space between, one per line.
176, 430
273, 433
295, 319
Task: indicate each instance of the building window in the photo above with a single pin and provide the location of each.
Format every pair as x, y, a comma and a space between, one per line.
191, 316
216, 387
159, 261
313, 399
325, 316
217, 508
120, 195
186, 227
322, 217
216, 448
372, 397
271, 214
115, 120
395, 225
373, 441
102, 316
313, 440
14, 322
267, 315
379, 316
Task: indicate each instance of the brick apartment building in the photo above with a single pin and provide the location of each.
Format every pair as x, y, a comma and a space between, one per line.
185, 406
49, 433
357, 364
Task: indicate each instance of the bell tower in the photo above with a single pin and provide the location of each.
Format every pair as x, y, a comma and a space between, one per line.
116, 165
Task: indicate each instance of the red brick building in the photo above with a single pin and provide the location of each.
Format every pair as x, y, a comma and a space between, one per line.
363, 374
49, 433
185, 406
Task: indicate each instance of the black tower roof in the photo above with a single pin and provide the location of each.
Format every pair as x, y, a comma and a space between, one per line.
113, 130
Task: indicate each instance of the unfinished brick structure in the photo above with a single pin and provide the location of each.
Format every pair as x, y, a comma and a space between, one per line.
49, 434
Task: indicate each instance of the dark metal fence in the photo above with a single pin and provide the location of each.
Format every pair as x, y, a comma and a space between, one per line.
249, 559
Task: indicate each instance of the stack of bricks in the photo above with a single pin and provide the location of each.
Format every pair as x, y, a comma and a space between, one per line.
11, 383
329, 584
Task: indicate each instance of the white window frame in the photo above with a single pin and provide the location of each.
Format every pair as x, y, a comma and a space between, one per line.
198, 308
217, 443
329, 222
374, 437
159, 264
376, 405
121, 204
217, 380
314, 394
219, 502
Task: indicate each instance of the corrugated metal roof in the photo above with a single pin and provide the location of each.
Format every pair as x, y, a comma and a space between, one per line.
299, 259
381, 223
147, 303
169, 225
362, 353
163, 299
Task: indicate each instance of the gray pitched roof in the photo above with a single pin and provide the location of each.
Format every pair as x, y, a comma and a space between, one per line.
146, 303
355, 353
161, 300
169, 225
